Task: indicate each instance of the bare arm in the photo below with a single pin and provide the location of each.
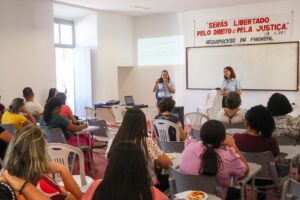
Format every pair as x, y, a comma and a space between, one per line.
182, 133
67, 179
155, 86
5, 136
171, 89
73, 119
29, 191
230, 142
28, 115
75, 128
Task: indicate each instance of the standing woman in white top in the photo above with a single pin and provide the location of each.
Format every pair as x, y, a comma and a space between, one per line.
229, 84
163, 87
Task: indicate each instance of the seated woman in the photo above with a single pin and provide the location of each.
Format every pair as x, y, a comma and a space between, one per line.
125, 177
5, 138
65, 110
134, 128
52, 119
216, 155
166, 107
27, 158
285, 124
259, 125
232, 114
13, 114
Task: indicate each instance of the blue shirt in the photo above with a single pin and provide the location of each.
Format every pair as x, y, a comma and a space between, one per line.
163, 91
231, 85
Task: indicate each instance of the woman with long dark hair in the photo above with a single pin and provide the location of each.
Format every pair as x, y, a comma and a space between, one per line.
217, 155
52, 119
126, 176
229, 84
134, 128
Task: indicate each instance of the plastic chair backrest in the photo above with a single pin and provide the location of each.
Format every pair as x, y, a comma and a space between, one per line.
55, 135
102, 127
10, 128
195, 133
171, 146
267, 162
291, 190
60, 154
90, 113
180, 182
162, 127
194, 120
213, 103
285, 140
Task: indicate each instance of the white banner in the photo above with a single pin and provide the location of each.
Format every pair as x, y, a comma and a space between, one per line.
273, 28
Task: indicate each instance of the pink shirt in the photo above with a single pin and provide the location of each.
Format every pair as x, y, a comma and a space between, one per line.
66, 111
231, 168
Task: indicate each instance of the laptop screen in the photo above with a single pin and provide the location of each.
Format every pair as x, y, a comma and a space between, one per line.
129, 100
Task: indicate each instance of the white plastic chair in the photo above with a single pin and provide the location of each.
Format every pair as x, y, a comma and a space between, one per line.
291, 190
152, 112
213, 103
161, 127
60, 154
180, 182
194, 120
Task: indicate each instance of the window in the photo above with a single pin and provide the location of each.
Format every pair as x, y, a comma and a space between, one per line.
64, 54
63, 33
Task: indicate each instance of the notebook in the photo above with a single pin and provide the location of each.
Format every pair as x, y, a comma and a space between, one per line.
130, 103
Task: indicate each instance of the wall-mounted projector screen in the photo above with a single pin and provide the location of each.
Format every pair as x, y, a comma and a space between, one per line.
270, 66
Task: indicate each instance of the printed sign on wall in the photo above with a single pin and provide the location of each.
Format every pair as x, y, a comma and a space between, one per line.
273, 28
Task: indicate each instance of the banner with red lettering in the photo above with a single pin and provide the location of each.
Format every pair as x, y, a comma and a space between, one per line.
272, 28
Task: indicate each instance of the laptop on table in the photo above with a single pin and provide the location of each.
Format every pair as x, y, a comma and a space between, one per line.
130, 103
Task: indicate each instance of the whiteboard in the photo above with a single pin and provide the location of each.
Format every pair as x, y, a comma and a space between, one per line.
268, 66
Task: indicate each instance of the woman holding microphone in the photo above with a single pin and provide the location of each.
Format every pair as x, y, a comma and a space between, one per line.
229, 84
163, 87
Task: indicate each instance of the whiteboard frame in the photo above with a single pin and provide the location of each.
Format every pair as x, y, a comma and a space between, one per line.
295, 42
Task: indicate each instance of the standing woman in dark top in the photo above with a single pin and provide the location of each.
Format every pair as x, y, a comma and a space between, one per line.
259, 125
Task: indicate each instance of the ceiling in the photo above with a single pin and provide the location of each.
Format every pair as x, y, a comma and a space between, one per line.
147, 7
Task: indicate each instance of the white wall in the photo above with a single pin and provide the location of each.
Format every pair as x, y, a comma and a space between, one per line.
26, 50
86, 51
115, 48
155, 26
182, 23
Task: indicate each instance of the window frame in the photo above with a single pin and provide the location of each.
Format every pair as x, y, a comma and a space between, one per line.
64, 22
